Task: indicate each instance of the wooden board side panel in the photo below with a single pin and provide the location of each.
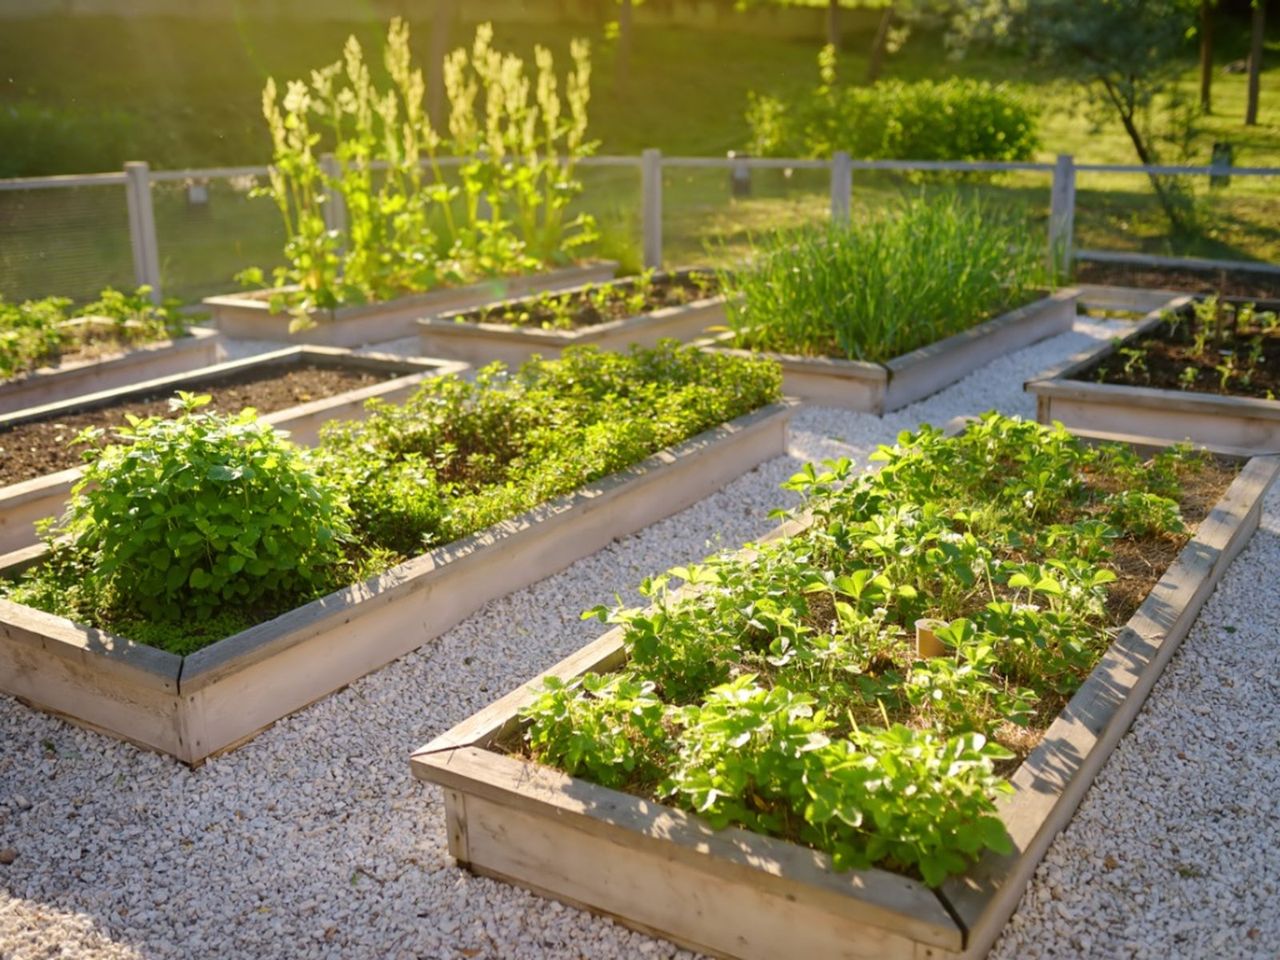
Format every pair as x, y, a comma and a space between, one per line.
844, 390
647, 890
944, 363
1114, 415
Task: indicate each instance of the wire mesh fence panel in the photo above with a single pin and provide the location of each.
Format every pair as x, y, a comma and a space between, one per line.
611, 196
1021, 195
207, 231
1235, 218
709, 216
64, 241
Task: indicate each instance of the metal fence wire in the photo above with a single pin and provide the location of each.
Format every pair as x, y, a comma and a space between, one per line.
187, 233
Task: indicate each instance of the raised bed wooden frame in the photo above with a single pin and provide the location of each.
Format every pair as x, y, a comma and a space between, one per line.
22, 504
881, 388
220, 696
248, 316
143, 362
1247, 424
446, 335
736, 894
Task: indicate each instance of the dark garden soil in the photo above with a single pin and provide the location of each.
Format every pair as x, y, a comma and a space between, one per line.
1225, 283
1244, 363
36, 448
602, 303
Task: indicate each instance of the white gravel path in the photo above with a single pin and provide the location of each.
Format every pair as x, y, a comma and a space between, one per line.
314, 841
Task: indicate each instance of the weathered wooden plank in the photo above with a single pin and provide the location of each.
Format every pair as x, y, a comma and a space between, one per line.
249, 316
508, 790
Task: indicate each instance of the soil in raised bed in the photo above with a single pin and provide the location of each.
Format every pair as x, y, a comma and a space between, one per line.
40, 447
1238, 283
1169, 350
598, 303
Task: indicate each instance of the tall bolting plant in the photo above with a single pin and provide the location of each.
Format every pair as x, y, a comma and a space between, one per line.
402, 225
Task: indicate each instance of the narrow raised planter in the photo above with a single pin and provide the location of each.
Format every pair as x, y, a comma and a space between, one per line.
195, 706
248, 316
733, 893
143, 362
884, 387
451, 334
22, 504
1243, 423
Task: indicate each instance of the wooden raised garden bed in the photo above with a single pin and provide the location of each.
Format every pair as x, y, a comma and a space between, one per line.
79, 377
1069, 393
735, 893
23, 503
248, 316
211, 700
884, 387
468, 335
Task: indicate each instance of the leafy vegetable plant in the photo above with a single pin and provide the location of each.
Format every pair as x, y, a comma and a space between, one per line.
408, 225
928, 268
780, 689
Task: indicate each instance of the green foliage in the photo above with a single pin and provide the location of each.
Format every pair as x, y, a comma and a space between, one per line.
779, 690
460, 455
188, 516
191, 528
411, 227
953, 119
922, 270
37, 332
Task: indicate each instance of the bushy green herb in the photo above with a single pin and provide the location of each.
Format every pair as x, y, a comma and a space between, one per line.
875, 289
461, 455
185, 517
954, 119
780, 689
220, 521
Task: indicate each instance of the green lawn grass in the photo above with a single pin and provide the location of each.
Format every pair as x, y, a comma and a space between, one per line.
189, 93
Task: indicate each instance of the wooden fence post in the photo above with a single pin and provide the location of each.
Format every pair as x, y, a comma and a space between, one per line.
841, 187
651, 205
1062, 216
142, 226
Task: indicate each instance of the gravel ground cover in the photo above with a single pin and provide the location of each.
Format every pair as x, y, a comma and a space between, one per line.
314, 841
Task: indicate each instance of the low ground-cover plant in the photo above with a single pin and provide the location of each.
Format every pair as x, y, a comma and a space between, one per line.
955, 119
597, 303
410, 225
781, 689
38, 332
1211, 347
186, 530
929, 267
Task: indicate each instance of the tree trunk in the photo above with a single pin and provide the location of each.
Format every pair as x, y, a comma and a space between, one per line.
1167, 202
833, 23
1255, 60
622, 63
1206, 55
445, 13
876, 63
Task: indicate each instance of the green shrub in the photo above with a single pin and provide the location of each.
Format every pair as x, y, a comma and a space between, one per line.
922, 270
189, 516
955, 119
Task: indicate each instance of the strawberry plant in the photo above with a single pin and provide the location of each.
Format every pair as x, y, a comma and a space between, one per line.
780, 688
